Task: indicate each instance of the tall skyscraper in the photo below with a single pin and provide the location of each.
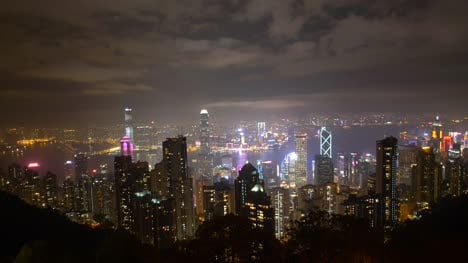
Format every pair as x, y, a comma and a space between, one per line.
261, 132
281, 202
247, 179
325, 142
425, 177
204, 132
128, 123
252, 202
301, 162
323, 170
81, 166
386, 168
180, 186
124, 192
50, 190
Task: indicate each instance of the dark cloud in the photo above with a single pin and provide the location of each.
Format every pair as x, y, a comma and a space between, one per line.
172, 57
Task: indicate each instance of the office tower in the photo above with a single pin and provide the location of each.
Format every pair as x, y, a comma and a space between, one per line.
50, 190
407, 159
31, 186
251, 200
447, 144
218, 200
365, 166
83, 184
128, 123
68, 169
124, 192
437, 135
288, 170
385, 187
317, 197
261, 132
437, 132
180, 186
281, 203
81, 166
68, 201
454, 173
425, 178
351, 171
301, 162
144, 138
325, 142
323, 170
204, 132
258, 210
13, 179
126, 146
247, 179
269, 171
103, 197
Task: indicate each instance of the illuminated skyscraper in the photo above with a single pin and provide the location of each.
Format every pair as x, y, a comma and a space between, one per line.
204, 132
84, 184
247, 179
325, 142
281, 202
124, 192
386, 168
454, 172
301, 163
50, 190
180, 186
424, 181
261, 131
269, 171
437, 129
129, 123
251, 200
81, 166
407, 158
126, 146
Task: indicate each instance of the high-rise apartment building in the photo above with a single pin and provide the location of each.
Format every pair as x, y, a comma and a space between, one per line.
386, 168
180, 186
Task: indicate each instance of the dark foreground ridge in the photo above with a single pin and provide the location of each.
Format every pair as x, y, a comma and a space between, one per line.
31, 234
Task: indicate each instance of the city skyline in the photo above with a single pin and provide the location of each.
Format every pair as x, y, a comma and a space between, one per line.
83, 63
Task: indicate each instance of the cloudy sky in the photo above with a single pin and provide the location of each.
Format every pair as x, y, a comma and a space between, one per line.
83, 61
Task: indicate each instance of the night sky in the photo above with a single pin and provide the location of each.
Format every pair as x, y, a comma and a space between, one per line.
80, 62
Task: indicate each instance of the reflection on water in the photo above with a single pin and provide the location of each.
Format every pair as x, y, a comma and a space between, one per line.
52, 156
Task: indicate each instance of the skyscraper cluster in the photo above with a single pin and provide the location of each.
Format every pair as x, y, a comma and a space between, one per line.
199, 180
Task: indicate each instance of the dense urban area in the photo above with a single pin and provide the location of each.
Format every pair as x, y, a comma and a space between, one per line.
167, 185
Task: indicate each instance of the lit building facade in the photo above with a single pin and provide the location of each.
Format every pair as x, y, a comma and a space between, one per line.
301, 162
180, 186
325, 142
386, 169
204, 132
